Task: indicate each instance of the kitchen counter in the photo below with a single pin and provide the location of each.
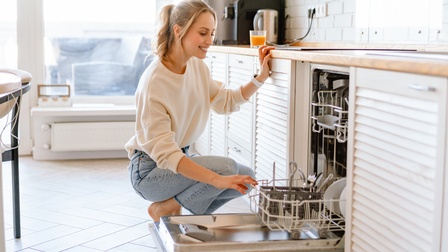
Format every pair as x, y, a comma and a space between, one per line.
420, 62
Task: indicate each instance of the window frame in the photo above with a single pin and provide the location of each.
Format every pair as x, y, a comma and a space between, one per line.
30, 58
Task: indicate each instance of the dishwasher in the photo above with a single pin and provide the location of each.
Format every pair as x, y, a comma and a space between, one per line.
299, 213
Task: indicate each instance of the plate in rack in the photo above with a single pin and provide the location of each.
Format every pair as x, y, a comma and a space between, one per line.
333, 194
342, 200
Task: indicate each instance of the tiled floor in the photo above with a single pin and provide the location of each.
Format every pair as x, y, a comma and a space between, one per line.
80, 205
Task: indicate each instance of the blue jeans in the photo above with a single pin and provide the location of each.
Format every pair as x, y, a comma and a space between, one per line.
155, 184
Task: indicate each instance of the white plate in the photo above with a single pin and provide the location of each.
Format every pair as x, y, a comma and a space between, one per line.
342, 199
333, 193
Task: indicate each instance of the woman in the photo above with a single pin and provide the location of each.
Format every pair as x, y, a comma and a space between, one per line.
173, 100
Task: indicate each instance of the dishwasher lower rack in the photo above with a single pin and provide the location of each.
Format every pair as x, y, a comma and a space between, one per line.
295, 209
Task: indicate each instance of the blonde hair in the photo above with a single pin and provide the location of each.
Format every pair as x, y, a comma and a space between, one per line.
183, 14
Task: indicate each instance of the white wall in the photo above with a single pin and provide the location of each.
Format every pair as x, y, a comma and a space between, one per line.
371, 21
337, 26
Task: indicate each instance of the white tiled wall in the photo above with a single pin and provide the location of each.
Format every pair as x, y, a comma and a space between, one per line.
337, 26
349, 21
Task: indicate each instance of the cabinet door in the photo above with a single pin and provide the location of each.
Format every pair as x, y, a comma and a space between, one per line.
240, 126
218, 69
273, 121
396, 142
212, 141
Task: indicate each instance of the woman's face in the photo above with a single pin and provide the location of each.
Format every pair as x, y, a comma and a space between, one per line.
200, 36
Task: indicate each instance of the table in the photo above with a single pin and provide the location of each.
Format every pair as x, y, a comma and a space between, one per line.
12, 154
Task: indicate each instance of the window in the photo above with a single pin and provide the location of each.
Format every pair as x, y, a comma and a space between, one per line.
8, 41
8, 56
77, 23
98, 47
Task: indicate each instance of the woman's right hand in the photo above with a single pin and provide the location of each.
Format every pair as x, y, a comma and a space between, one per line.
236, 182
264, 55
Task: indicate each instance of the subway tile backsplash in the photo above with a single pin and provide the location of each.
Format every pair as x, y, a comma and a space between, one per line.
350, 21
338, 25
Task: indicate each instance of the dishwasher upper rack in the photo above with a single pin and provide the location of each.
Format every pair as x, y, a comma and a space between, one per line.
330, 112
295, 209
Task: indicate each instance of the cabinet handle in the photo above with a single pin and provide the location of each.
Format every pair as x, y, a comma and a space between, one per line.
419, 87
239, 61
235, 149
45, 127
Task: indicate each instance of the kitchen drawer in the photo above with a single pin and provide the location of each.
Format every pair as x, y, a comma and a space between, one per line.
218, 57
406, 84
239, 154
242, 61
281, 66
241, 70
217, 63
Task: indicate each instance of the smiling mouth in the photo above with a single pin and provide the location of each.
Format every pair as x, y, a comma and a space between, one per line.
205, 49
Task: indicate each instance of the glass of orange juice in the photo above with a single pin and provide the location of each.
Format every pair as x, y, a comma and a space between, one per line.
257, 38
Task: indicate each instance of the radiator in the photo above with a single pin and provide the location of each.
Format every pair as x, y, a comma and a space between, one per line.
90, 136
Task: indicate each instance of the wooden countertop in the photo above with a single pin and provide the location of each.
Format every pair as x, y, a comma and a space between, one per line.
428, 63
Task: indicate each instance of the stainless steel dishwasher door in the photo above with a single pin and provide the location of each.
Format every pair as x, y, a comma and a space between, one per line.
236, 232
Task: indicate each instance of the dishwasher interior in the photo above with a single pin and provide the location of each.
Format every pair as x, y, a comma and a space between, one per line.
304, 212
329, 123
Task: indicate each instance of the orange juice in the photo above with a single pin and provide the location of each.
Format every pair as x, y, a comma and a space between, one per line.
257, 40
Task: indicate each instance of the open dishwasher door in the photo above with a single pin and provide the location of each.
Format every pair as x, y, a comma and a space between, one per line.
234, 232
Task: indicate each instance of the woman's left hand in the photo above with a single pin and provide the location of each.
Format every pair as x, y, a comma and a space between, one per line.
264, 56
237, 182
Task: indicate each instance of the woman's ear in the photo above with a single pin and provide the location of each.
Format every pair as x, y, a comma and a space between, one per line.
176, 30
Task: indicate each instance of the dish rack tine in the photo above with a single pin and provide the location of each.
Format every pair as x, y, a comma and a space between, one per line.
292, 171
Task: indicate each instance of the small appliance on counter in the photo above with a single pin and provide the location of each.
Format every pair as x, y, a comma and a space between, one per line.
236, 19
225, 11
267, 20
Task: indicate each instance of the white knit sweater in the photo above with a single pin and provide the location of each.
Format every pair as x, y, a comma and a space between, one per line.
173, 109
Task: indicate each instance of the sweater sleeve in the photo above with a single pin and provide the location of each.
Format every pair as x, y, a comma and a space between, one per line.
224, 100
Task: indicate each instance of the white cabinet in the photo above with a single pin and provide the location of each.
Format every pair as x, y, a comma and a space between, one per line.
240, 124
230, 135
274, 121
213, 140
397, 149
262, 131
218, 68
397, 144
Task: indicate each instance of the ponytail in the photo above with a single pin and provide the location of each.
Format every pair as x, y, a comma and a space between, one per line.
164, 35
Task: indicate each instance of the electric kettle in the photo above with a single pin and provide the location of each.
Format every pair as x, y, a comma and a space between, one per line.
267, 19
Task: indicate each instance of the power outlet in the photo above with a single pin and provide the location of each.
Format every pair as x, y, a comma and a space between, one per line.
311, 12
321, 10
